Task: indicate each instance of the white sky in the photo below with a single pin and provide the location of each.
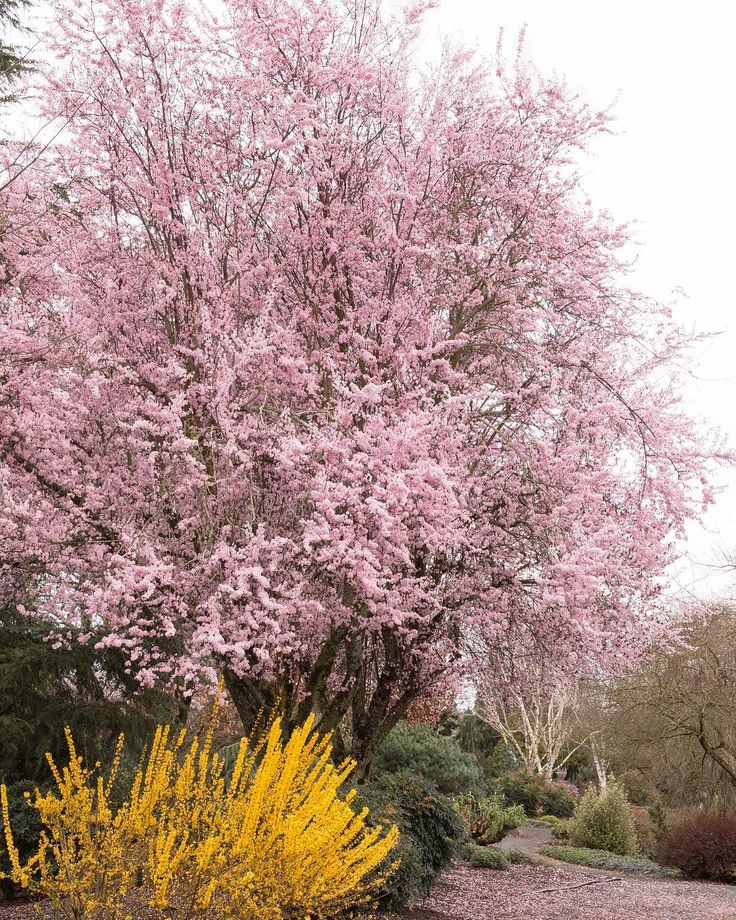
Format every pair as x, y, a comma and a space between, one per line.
670, 69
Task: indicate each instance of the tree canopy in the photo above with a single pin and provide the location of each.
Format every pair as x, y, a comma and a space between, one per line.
314, 365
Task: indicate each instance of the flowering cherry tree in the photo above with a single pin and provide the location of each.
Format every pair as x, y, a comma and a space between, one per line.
313, 364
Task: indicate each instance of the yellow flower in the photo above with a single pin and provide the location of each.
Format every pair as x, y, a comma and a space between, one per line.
274, 839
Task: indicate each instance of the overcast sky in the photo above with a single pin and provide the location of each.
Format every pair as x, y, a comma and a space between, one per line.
670, 70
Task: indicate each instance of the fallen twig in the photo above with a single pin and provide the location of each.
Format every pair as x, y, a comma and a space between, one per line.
593, 881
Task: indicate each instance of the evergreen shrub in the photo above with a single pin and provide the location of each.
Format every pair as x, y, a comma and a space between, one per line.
438, 759
429, 832
602, 821
537, 795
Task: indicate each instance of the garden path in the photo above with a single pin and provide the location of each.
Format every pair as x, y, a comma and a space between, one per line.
526, 838
520, 893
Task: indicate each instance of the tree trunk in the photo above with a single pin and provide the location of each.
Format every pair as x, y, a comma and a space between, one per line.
718, 753
360, 709
600, 765
255, 702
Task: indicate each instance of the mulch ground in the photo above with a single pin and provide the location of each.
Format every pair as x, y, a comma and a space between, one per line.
28, 910
463, 893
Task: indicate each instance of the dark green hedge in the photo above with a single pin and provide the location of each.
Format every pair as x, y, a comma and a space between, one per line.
437, 758
429, 826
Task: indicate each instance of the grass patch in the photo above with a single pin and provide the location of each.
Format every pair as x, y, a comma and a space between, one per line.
602, 859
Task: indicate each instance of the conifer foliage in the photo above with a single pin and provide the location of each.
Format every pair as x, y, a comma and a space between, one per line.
13, 61
49, 679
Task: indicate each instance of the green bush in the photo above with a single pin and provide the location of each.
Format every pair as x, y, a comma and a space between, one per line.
488, 820
50, 679
485, 857
429, 827
550, 821
645, 831
521, 857
638, 789
537, 795
658, 817
474, 736
439, 759
579, 767
602, 821
500, 760
602, 859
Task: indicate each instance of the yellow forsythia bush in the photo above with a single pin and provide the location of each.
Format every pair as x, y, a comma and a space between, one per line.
273, 841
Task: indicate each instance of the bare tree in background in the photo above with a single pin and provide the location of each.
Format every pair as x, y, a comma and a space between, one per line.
535, 710
684, 699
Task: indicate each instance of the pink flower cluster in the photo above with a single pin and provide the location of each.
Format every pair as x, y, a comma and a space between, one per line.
296, 341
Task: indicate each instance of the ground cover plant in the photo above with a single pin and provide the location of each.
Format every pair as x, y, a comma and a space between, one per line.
605, 859
485, 857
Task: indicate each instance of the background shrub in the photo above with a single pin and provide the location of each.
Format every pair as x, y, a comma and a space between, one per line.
658, 818
645, 831
602, 822
486, 857
638, 787
474, 735
550, 821
48, 680
438, 759
522, 858
558, 826
703, 847
429, 830
488, 820
500, 760
537, 795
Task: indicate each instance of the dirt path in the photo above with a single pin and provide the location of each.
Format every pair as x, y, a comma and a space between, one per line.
526, 838
463, 893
